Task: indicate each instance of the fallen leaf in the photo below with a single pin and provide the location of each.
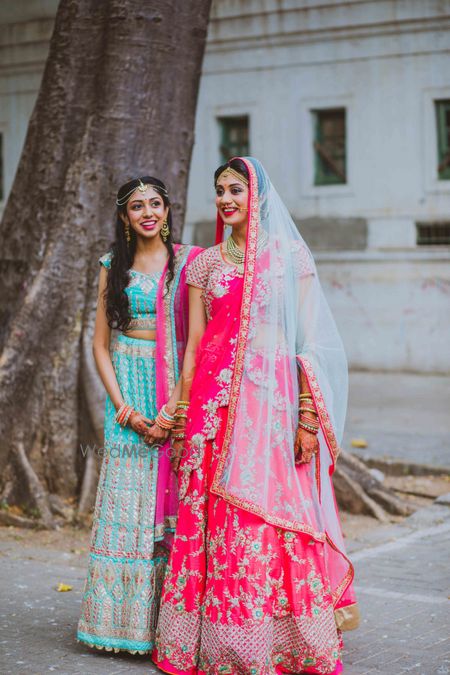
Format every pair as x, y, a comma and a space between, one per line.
359, 443
62, 588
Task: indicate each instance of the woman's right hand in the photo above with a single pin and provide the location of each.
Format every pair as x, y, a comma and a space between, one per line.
139, 423
176, 454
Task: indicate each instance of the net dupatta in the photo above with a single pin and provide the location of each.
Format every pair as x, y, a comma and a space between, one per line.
171, 338
285, 324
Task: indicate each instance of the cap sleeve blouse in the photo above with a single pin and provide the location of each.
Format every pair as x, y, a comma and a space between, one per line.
105, 260
198, 271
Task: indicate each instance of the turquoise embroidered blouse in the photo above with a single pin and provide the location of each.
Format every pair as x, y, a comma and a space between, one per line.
141, 292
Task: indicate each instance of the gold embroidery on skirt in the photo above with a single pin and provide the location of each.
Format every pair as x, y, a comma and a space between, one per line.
145, 350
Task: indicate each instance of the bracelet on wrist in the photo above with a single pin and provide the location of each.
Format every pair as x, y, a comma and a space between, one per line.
127, 417
309, 420
123, 414
182, 404
164, 420
309, 427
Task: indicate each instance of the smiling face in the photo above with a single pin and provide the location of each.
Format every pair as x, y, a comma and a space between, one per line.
232, 200
146, 213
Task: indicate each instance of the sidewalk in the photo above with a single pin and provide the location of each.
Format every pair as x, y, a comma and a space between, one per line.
402, 416
402, 571
38, 624
401, 580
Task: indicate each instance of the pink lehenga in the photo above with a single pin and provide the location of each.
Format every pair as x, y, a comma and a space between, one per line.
258, 582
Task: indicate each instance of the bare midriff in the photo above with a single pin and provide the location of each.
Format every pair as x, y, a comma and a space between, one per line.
141, 334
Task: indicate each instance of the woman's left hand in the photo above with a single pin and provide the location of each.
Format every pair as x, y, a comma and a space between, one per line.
139, 423
306, 445
155, 435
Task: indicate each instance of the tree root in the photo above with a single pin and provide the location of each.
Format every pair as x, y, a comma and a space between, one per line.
88, 487
357, 491
11, 519
37, 491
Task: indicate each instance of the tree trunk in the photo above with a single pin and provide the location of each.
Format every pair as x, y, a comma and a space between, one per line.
117, 100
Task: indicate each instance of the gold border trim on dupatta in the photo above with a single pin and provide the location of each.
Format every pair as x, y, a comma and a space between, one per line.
216, 487
250, 263
321, 408
180, 259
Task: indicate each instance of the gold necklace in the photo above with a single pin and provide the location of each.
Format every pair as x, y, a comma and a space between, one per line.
234, 252
237, 256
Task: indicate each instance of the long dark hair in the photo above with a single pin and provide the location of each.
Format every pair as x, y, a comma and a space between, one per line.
236, 164
123, 252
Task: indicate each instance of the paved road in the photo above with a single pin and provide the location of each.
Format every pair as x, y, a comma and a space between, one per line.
402, 581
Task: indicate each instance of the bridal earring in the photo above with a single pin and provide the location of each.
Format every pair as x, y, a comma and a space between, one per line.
165, 231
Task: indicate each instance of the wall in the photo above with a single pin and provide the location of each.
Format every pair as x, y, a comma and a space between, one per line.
25, 31
385, 61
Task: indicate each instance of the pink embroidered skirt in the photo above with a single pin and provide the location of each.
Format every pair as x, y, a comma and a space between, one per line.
240, 596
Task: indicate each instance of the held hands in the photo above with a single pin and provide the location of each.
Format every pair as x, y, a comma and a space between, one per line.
126, 415
176, 453
139, 423
178, 434
160, 429
154, 431
155, 435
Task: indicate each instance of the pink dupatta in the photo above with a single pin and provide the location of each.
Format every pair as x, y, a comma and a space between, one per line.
171, 338
281, 322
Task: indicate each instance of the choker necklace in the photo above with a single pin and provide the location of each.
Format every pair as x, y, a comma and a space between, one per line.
237, 256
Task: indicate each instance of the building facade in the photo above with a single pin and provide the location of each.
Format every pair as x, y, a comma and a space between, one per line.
347, 104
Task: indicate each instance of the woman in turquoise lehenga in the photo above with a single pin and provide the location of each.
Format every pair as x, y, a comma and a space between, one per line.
142, 293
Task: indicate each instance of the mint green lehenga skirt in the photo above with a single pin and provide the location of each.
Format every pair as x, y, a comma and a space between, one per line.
127, 557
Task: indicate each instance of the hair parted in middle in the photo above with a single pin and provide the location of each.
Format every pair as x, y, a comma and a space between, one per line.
236, 165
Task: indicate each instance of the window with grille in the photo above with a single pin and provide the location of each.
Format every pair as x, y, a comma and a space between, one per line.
330, 147
443, 138
234, 140
433, 234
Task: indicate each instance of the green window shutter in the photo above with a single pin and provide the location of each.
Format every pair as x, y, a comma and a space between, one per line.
433, 233
443, 138
234, 137
330, 147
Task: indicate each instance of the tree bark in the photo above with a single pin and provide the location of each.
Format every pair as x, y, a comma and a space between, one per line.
117, 99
